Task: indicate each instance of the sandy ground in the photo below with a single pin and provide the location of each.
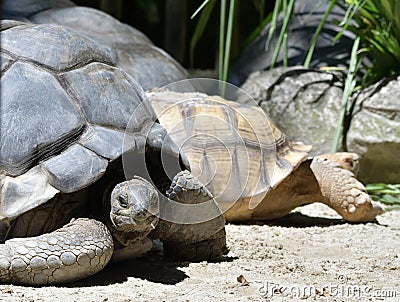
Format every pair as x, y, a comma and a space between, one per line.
296, 258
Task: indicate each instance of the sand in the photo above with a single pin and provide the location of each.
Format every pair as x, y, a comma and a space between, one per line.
310, 255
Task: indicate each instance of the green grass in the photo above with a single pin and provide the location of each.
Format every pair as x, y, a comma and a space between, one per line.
317, 33
225, 33
206, 11
385, 193
349, 87
378, 26
375, 22
228, 44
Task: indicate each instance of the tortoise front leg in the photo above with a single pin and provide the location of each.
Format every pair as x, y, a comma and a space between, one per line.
341, 190
193, 233
78, 250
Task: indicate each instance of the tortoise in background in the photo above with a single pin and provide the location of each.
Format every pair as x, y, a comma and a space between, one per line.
68, 116
149, 65
253, 171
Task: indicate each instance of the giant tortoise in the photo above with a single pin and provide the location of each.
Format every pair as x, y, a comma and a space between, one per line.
253, 171
78, 141
149, 65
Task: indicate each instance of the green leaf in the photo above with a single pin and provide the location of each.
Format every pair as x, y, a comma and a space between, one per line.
287, 10
383, 188
345, 23
388, 199
221, 39
274, 22
348, 90
392, 208
199, 9
388, 194
378, 26
228, 42
317, 33
394, 187
376, 186
201, 25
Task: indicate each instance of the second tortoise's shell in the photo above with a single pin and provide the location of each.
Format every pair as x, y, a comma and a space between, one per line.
232, 148
64, 112
149, 65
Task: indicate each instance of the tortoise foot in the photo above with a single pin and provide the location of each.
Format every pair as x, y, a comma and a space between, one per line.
341, 190
134, 250
78, 250
212, 249
198, 232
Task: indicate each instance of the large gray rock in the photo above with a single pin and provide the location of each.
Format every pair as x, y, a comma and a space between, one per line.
304, 103
374, 132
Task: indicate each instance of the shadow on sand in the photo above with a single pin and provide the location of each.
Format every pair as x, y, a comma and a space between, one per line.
155, 268
152, 267
299, 220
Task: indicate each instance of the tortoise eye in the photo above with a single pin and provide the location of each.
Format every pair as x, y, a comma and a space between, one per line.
122, 202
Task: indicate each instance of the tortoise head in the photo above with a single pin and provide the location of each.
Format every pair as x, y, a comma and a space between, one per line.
134, 206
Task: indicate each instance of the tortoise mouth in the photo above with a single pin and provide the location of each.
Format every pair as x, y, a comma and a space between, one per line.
126, 223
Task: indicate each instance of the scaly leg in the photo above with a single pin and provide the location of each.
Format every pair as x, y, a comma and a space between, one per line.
193, 241
77, 250
341, 190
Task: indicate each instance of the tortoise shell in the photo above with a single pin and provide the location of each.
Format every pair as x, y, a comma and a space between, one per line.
149, 65
232, 148
64, 112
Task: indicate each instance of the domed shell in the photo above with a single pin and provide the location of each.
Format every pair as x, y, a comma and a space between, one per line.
25, 8
149, 65
232, 148
65, 107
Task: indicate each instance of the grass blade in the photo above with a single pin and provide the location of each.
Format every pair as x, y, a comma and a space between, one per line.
345, 23
201, 25
288, 9
285, 49
199, 9
314, 39
387, 194
228, 41
348, 90
221, 39
274, 22
383, 188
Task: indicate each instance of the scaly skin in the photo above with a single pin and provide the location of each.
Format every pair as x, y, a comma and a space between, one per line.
197, 241
84, 246
341, 190
78, 250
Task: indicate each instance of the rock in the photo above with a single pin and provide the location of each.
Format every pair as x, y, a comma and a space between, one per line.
304, 103
374, 132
